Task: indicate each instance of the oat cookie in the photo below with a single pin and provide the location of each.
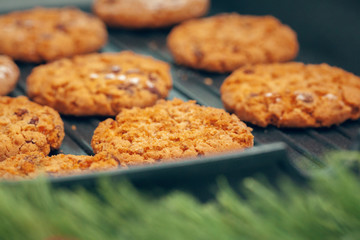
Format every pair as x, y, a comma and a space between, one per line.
225, 42
292, 95
26, 127
170, 130
148, 14
45, 34
100, 84
9, 75
25, 166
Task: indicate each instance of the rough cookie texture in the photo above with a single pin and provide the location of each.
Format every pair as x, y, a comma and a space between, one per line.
225, 42
23, 166
44, 34
9, 75
170, 130
292, 95
26, 127
100, 84
148, 13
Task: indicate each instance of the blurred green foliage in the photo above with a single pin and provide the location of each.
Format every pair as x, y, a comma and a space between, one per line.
327, 208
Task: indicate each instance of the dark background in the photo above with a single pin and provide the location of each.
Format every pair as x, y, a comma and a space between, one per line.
328, 30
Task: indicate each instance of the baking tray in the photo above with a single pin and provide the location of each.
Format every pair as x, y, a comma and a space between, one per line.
328, 31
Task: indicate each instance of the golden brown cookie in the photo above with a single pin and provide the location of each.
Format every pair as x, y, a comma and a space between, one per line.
170, 130
292, 95
148, 14
45, 34
225, 42
32, 165
100, 84
26, 127
9, 75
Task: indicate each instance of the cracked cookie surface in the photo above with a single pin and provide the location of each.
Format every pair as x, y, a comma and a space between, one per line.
148, 13
168, 131
45, 34
225, 42
27, 166
9, 75
292, 95
100, 84
26, 127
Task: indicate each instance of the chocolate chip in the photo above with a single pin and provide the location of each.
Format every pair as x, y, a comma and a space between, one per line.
305, 97
126, 88
29, 158
253, 94
223, 64
116, 159
153, 90
21, 111
235, 49
308, 99
198, 54
152, 77
19, 23
34, 120
61, 27
24, 23
248, 71
59, 130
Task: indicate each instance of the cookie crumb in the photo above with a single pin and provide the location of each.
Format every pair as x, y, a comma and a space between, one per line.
153, 46
208, 81
183, 76
73, 127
